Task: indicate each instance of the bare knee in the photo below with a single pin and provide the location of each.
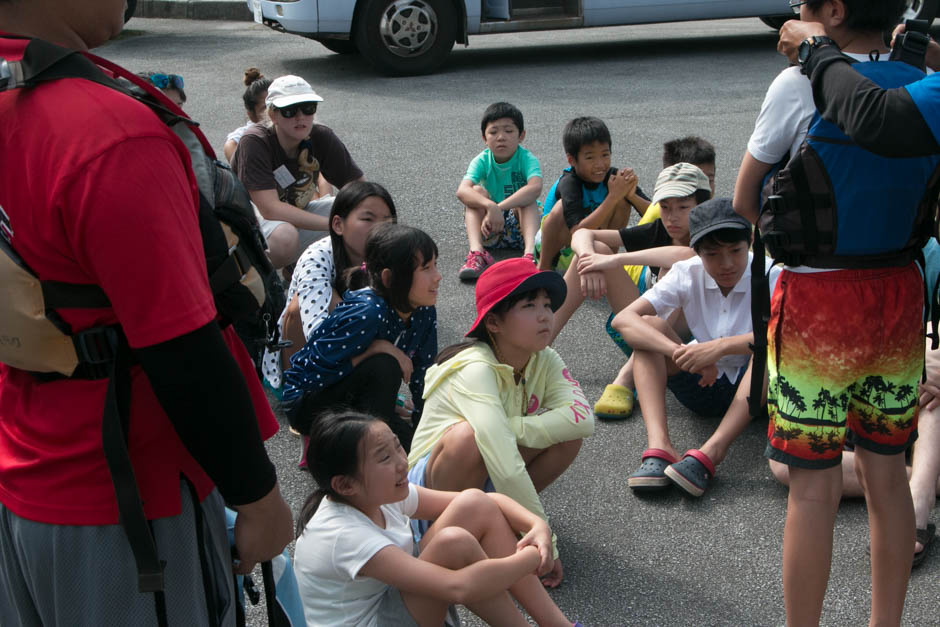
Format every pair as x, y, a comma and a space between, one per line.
879, 474
458, 548
282, 245
780, 471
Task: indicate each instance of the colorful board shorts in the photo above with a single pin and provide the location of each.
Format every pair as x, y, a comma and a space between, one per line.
846, 352
641, 284
510, 236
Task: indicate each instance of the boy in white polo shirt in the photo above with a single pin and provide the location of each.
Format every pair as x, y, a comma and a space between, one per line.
710, 374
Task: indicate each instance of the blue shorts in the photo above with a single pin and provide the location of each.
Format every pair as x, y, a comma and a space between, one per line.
712, 401
416, 476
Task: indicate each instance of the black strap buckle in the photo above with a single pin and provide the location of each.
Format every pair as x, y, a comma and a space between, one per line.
96, 349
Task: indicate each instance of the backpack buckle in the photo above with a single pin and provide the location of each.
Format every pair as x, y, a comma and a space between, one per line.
96, 349
11, 74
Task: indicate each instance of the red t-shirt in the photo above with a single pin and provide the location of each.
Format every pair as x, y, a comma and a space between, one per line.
96, 191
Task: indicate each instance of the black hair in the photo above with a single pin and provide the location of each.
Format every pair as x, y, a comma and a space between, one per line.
399, 248
582, 131
346, 200
479, 334
255, 85
499, 110
701, 195
867, 15
691, 149
335, 446
719, 237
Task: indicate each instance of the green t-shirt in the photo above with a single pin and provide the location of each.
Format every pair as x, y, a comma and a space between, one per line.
502, 180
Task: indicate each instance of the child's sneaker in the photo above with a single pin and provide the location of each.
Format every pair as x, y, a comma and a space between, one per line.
477, 261
305, 444
693, 472
616, 403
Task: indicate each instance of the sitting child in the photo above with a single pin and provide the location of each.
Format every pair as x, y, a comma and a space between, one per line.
356, 561
256, 90
500, 191
709, 375
320, 275
383, 332
654, 247
695, 150
502, 410
588, 195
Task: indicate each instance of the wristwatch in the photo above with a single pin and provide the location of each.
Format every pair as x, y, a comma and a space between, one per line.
809, 44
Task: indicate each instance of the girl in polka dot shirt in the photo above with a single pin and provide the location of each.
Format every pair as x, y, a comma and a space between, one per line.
382, 333
319, 277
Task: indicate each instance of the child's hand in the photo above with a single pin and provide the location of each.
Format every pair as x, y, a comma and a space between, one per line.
493, 222
631, 180
593, 285
695, 357
617, 185
595, 262
540, 537
709, 375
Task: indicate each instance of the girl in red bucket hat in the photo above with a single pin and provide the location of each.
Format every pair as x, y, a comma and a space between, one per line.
502, 411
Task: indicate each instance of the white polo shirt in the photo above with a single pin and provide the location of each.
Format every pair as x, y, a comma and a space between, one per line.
709, 314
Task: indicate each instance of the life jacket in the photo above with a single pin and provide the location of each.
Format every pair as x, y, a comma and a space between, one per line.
836, 205
34, 338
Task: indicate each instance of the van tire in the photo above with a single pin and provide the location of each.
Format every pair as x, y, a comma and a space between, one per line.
406, 37
340, 46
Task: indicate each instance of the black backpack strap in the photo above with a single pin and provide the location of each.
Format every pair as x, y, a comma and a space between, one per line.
911, 46
115, 429
760, 317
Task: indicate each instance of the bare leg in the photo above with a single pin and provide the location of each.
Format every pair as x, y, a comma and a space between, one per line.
807, 541
891, 521
625, 376
455, 463
734, 422
282, 245
619, 217
573, 299
546, 465
455, 548
851, 486
925, 468
555, 236
292, 329
529, 219
651, 370
481, 516
473, 219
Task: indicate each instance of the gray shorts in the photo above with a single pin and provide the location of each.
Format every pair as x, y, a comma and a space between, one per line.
320, 207
86, 575
392, 610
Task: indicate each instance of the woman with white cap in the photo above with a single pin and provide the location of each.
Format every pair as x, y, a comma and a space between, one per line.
280, 163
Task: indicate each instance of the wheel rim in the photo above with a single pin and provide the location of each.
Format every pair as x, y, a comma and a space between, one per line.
408, 27
912, 8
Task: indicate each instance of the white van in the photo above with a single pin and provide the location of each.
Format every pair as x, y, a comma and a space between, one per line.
403, 37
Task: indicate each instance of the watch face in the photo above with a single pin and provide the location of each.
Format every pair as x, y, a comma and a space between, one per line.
803, 52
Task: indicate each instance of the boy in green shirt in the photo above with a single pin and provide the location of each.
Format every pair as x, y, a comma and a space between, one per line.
500, 191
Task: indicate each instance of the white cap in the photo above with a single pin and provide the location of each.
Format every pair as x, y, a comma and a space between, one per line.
678, 181
287, 90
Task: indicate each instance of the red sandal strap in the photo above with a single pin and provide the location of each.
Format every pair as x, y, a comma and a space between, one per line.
659, 453
702, 457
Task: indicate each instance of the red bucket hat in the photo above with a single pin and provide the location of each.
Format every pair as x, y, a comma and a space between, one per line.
515, 276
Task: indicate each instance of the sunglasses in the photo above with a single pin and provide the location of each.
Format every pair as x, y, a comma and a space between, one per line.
166, 81
307, 108
796, 4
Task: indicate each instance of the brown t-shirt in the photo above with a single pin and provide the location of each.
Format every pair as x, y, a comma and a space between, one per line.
260, 163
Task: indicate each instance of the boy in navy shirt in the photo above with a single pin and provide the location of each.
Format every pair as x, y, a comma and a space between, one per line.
589, 194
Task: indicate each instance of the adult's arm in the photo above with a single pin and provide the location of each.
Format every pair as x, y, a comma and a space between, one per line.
885, 121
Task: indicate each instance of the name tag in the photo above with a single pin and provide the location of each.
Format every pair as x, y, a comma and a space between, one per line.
283, 177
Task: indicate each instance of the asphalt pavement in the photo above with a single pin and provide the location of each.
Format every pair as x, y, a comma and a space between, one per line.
663, 560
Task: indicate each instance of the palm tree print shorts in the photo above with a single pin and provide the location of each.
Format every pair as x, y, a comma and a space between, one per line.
846, 352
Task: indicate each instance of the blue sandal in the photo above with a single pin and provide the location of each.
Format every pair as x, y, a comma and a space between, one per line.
651, 475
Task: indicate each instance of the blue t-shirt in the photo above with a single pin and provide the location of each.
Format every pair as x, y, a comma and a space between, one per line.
362, 317
926, 95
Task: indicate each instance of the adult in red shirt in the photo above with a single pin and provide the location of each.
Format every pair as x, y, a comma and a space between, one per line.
95, 189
